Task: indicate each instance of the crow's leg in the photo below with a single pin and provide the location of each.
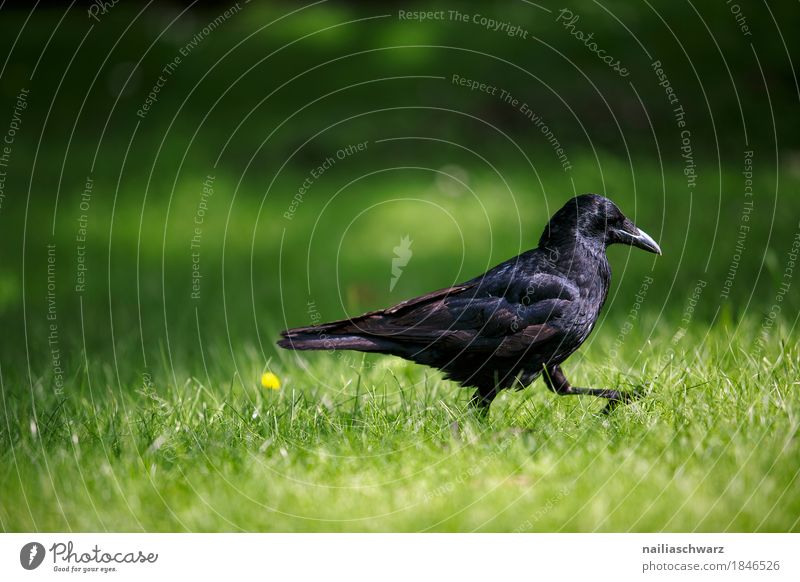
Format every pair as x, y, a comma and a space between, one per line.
483, 398
486, 389
558, 383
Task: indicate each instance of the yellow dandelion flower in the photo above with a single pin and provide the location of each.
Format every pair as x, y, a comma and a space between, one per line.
270, 381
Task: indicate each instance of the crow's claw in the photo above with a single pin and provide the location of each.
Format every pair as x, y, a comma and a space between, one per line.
622, 398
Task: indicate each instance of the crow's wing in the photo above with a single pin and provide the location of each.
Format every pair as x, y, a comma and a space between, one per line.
501, 316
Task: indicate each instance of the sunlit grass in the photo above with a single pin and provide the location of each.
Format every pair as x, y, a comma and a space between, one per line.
352, 443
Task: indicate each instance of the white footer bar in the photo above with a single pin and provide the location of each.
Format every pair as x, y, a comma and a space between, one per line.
379, 557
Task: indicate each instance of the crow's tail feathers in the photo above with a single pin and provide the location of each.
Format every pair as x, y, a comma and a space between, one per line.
293, 340
375, 331
337, 335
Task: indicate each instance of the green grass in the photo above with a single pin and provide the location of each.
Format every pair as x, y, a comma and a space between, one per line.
166, 428
375, 444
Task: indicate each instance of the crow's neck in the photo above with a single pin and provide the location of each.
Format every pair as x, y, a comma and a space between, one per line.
567, 241
577, 255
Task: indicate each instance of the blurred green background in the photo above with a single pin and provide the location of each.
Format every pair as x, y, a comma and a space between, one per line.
173, 281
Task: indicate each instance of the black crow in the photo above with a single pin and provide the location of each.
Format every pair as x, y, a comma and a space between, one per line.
518, 320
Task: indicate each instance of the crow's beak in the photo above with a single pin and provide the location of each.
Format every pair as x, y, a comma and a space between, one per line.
644, 241
636, 237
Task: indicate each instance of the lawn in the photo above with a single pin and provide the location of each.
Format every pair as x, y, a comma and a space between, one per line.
376, 444
176, 433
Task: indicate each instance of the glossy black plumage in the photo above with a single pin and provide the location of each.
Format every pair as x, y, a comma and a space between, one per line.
524, 316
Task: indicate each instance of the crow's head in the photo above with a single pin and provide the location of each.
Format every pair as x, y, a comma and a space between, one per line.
597, 220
